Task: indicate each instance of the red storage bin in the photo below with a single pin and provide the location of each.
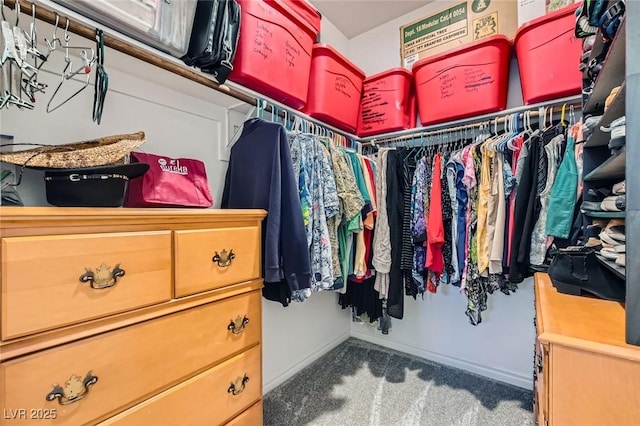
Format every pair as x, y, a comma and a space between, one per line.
335, 88
388, 103
274, 51
548, 53
306, 12
463, 82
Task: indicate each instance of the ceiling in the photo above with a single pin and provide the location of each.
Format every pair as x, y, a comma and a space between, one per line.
354, 17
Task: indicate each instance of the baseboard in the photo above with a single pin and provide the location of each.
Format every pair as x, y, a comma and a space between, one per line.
278, 380
510, 377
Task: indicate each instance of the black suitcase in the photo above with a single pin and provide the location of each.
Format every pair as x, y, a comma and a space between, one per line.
214, 38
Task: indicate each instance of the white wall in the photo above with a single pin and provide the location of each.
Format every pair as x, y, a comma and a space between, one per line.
436, 328
331, 34
300, 333
180, 119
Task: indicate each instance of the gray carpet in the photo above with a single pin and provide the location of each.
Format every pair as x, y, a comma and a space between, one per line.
359, 383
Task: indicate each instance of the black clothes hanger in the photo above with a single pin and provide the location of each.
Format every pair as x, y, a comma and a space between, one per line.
101, 85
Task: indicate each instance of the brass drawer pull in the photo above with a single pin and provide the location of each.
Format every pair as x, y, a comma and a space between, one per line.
73, 390
238, 386
223, 258
103, 277
237, 325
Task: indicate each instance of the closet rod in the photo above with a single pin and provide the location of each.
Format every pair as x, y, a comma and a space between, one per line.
89, 32
472, 122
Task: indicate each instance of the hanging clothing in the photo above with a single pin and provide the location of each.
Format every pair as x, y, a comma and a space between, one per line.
447, 218
418, 224
539, 243
527, 204
363, 298
382, 239
497, 215
470, 208
451, 172
409, 165
462, 199
483, 209
563, 195
318, 178
260, 175
520, 153
476, 285
395, 212
435, 225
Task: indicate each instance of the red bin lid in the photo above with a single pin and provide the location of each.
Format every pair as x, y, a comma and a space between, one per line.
534, 23
397, 70
323, 48
499, 38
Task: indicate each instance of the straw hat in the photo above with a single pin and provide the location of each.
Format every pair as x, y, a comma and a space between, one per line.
96, 152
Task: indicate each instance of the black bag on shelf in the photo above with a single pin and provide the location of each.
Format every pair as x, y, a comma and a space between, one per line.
576, 270
214, 38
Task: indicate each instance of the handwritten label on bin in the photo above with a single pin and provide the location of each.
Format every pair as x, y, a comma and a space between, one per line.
375, 104
469, 79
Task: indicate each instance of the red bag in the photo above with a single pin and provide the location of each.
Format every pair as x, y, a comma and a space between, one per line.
170, 182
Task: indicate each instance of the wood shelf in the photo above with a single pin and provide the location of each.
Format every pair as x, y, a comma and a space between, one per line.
616, 110
612, 168
618, 270
612, 73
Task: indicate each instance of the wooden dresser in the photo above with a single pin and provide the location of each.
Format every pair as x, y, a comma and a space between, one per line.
130, 316
585, 372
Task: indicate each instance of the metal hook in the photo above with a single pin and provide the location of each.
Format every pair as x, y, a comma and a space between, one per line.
52, 44
67, 37
17, 10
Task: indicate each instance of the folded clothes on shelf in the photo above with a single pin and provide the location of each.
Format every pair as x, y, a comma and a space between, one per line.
589, 124
618, 130
605, 199
612, 95
614, 203
620, 188
610, 241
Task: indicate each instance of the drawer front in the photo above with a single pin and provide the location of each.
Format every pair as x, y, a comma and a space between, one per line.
251, 417
130, 364
213, 258
46, 280
210, 398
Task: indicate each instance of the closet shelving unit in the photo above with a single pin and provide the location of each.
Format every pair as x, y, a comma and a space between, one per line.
612, 73
50, 12
602, 169
632, 220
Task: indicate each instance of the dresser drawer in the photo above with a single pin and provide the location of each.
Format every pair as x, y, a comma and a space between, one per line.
46, 280
213, 258
251, 417
129, 364
210, 398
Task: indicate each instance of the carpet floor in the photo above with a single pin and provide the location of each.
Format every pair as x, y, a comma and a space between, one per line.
359, 383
